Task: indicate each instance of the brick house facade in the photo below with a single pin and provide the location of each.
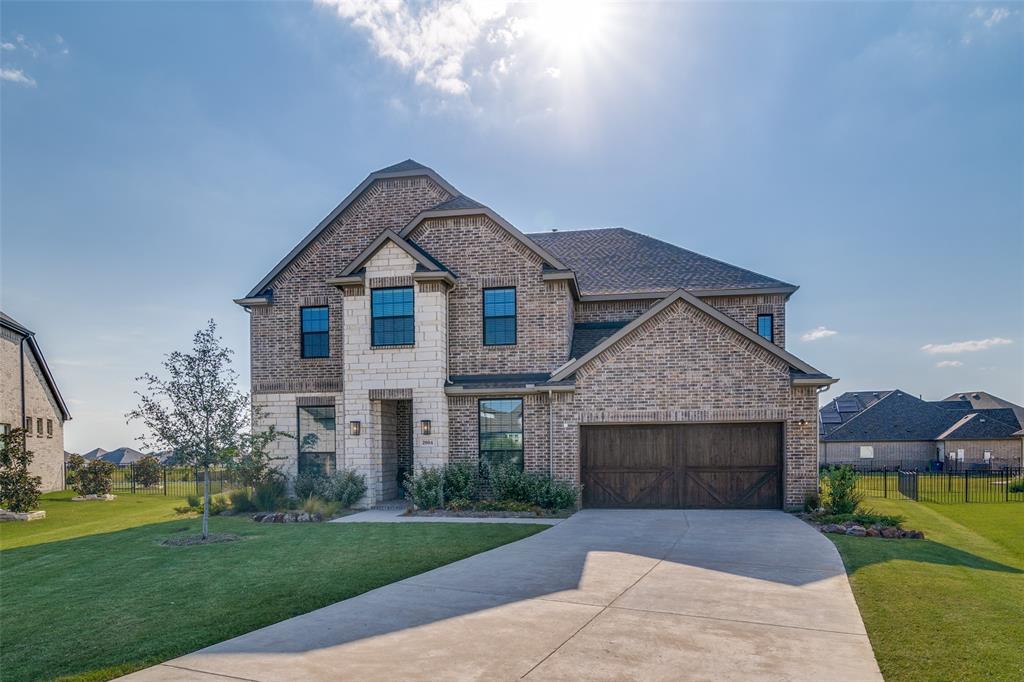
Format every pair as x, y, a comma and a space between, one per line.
440, 333
29, 397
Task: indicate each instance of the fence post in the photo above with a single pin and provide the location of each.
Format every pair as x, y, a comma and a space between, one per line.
966, 485
885, 483
165, 480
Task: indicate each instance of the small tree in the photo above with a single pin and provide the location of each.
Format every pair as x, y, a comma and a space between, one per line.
196, 410
147, 471
251, 459
840, 495
90, 478
19, 491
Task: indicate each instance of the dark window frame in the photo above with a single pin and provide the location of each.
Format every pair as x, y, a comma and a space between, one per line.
374, 343
303, 333
39, 426
771, 326
514, 316
323, 458
49, 428
479, 432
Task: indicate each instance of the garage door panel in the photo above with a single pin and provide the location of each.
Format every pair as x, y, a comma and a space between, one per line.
682, 465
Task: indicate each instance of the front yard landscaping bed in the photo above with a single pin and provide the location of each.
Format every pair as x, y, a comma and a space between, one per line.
485, 514
90, 593
948, 607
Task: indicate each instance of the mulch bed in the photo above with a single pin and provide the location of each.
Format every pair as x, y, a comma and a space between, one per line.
188, 540
873, 531
470, 514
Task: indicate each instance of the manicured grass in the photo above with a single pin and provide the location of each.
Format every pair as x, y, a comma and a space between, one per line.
106, 598
950, 607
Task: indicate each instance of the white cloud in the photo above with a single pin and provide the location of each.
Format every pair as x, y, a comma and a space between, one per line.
554, 72
431, 40
964, 346
17, 76
818, 333
991, 17
949, 363
7, 46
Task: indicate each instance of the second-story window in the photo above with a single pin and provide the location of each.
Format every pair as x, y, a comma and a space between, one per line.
49, 428
315, 332
499, 317
39, 426
393, 323
765, 327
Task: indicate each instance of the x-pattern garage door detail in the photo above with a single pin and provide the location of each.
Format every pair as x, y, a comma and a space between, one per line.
682, 465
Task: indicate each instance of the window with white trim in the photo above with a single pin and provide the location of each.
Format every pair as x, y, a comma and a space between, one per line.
867, 452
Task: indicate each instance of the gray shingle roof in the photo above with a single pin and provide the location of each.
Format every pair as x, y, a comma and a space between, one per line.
458, 202
407, 165
587, 335
982, 424
897, 416
845, 407
615, 260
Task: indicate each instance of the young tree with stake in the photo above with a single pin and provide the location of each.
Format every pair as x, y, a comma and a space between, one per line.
196, 410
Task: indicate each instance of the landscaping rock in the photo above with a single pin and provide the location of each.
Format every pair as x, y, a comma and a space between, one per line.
915, 535
36, 515
873, 532
93, 498
287, 517
833, 528
890, 532
858, 531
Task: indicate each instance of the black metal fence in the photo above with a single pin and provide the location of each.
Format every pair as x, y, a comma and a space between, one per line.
173, 481
944, 487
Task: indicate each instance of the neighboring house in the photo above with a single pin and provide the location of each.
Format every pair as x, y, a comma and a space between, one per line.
414, 326
894, 428
122, 456
29, 397
96, 453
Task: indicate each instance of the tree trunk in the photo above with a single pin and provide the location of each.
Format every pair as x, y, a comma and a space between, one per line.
206, 502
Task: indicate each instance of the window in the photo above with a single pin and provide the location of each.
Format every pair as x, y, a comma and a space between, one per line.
315, 332
501, 432
988, 455
391, 310
867, 452
28, 424
39, 426
499, 317
5, 429
49, 428
765, 327
316, 439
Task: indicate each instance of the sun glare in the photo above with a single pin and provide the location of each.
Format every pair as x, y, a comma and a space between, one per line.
570, 27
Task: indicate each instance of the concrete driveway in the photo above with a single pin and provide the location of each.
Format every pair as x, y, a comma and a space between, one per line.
605, 595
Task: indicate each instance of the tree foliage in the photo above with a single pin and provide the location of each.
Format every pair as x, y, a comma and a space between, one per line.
147, 471
90, 478
195, 409
19, 491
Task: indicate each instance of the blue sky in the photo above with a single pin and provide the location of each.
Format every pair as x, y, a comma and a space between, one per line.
158, 159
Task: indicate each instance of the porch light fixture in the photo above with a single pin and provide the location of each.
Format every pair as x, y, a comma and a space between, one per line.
425, 427
354, 427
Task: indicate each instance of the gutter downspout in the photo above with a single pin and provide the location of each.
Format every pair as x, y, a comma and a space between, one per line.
21, 369
551, 434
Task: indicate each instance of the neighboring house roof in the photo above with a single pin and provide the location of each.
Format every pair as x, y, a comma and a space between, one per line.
617, 261
37, 353
845, 407
804, 371
123, 456
983, 400
94, 453
980, 426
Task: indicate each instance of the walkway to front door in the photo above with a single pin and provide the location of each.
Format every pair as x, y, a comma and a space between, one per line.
606, 595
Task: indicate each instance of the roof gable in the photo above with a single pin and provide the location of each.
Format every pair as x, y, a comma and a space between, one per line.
616, 261
680, 295
422, 258
30, 339
898, 416
404, 169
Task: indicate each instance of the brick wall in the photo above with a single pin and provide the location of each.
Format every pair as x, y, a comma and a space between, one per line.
1005, 452
745, 309
612, 311
909, 453
47, 449
275, 330
483, 255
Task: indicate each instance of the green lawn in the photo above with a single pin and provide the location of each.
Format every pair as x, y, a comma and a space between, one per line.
950, 607
89, 593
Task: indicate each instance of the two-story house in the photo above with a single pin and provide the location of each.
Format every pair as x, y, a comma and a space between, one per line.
414, 326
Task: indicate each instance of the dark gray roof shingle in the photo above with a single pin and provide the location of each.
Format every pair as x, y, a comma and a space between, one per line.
898, 416
458, 202
407, 165
983, 425
587, 335
615, 260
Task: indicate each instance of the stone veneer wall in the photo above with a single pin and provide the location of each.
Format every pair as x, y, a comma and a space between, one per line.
373, 375
483, 255
47, 449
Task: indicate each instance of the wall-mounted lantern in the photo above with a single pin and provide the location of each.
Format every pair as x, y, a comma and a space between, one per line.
354, 428
425, 427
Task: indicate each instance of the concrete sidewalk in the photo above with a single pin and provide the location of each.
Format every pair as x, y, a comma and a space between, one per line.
605, 595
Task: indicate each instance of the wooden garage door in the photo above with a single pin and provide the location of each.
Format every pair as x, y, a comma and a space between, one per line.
736, 466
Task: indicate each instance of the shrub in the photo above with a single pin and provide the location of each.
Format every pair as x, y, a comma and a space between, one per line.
194, 501
508, 482
812, 502
1017, 486
865, 518
461, 482
345, 486
241, 500
270, 495
147, 471
305, 484
318, 505
219, 503
504, 505
424, 487
841, 496
19, 491
94, 478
